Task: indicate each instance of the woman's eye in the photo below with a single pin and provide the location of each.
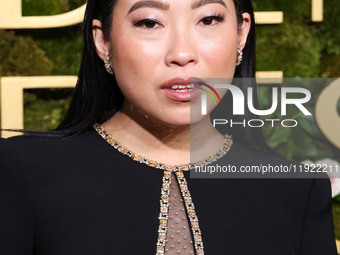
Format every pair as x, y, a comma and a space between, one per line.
211, 20
147, 23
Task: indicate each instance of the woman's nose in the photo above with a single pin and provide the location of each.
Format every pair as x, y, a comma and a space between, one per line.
181, 50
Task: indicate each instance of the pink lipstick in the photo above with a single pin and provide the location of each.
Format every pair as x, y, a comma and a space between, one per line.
182, 90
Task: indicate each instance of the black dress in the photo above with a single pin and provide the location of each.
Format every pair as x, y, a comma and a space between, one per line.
81, 196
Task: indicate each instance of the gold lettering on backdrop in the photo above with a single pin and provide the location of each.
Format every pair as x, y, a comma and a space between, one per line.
264, 18
275, 77
11, 17
326, 113
317, 10
12, 100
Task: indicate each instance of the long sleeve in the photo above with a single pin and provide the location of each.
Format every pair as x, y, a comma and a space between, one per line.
318, 230
16, 217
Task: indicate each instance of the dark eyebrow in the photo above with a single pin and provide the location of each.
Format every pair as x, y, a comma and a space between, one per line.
200, 3
149, 3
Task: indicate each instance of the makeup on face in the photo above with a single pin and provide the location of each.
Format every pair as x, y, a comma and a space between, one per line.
158, 46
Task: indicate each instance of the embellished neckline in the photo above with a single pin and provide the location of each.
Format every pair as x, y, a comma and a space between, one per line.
228, 142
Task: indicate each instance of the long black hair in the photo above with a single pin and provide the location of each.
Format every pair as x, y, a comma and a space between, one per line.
97, 96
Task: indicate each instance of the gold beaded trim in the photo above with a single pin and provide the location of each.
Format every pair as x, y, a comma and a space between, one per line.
172, 168
164, 213
165, 190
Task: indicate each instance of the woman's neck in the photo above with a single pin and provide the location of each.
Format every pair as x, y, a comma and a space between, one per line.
162, 142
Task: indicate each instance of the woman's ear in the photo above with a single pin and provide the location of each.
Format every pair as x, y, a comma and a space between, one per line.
244, 30
102, 45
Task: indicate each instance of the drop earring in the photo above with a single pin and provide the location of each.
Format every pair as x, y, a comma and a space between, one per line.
239, 57
108, 65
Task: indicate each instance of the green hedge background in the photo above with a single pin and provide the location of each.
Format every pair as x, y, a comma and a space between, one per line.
298, 47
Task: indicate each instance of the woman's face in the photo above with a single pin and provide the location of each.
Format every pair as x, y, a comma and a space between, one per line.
157, 44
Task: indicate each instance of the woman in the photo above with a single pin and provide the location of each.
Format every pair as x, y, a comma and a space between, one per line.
73, 192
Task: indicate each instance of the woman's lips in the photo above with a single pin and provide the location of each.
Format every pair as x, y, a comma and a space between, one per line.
180, 89
182, 96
